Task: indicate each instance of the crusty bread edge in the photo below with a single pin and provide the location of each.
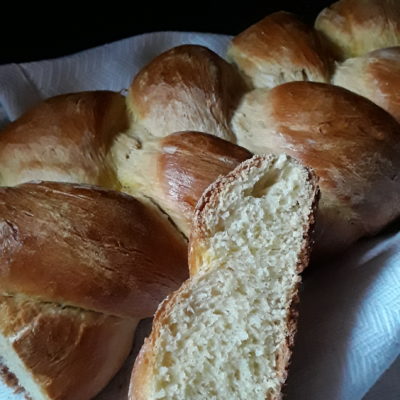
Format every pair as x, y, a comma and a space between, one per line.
285, 352
211, 194
141, 373
303, 260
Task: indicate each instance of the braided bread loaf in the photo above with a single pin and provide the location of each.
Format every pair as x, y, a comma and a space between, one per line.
350, 142
79, 265
77, 271
90, 138
165, 146
84, 138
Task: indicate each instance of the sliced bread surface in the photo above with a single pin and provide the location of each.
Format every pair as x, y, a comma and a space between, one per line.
227, 332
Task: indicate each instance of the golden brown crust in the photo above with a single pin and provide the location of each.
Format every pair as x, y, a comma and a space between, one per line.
78, 266
355, 27
349, 142
141, 373
175, 170
280, 48
65, 138
188, 163
333, 118
187, 88
95, 249
375, 76
71, 353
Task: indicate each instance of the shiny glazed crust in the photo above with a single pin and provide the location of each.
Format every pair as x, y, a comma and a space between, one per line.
354, 27
369, 76
79, 266
280, 48
173, 171
72, 353
87, 247
65, 138
328, 128
187, 88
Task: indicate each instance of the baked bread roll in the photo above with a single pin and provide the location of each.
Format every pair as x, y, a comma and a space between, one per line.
102, 242
352, 145
227, 332
332, 122
280, 48
65, 138
187, 88
78, 268
175, 170
81, 138
376, 76
356, 27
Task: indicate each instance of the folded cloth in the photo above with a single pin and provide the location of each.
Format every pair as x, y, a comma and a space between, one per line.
349, 326
109, 67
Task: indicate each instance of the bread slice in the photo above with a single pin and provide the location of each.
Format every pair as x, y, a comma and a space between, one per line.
227, 332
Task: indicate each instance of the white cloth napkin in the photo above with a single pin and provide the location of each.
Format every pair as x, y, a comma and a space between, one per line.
348, 342
109, 67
